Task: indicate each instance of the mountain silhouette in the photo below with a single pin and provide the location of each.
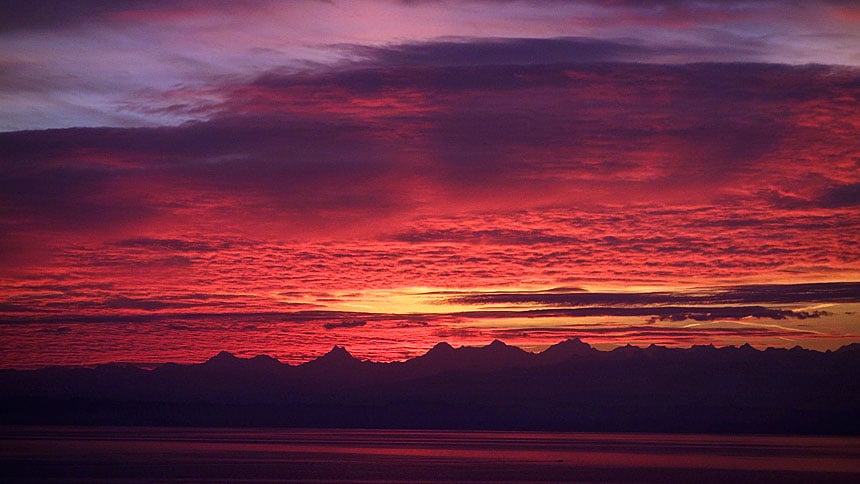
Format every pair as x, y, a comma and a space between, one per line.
568, 386
566, 350
444, 358
336, 359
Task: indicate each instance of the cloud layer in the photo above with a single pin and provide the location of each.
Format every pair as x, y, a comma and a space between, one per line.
427, 172
100, 63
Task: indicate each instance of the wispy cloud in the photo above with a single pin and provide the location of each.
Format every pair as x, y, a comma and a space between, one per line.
355, 323
98, 63
751, 294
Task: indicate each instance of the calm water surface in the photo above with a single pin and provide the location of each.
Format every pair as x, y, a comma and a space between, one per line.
94, 454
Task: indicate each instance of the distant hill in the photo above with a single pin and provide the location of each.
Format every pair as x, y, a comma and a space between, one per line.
569, 386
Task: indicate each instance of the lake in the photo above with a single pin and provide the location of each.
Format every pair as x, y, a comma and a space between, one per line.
117, 454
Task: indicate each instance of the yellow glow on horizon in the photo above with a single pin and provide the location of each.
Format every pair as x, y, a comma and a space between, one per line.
413, 300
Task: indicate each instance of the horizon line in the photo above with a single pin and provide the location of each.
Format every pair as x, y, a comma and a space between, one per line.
341, 348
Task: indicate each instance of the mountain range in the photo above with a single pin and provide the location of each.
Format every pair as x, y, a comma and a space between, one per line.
568, 387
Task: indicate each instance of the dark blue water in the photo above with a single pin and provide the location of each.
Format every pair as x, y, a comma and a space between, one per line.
92, 454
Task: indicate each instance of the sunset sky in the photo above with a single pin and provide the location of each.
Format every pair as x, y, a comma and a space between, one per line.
181, 177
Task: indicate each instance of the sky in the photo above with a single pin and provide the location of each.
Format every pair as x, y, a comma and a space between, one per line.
180, 177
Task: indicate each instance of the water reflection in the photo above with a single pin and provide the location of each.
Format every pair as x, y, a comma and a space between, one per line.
61, 453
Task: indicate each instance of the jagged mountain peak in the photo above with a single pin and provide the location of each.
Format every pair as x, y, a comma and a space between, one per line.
746, 347
709, 346
571, 344
223, 357
338, 351
337, 357
445, 349
225, 360
849, 348
265, 358
565, 350
441, 347
500, 347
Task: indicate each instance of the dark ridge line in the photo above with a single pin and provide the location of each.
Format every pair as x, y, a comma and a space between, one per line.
340, 351
569, 386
